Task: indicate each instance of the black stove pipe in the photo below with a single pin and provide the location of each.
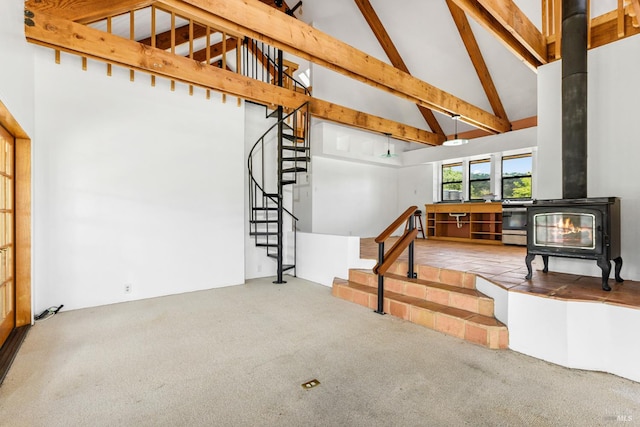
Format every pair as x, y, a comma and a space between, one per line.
574, 99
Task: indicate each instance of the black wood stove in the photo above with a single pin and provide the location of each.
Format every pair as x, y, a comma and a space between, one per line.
576, 228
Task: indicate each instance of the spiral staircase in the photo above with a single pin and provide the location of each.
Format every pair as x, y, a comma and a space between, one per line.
275, 164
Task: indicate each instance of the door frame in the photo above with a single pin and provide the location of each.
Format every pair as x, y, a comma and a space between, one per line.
22, 217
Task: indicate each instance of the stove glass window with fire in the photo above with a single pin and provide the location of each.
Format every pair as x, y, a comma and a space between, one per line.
565, 230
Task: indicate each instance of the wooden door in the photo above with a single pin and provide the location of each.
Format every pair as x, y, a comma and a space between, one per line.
7, 282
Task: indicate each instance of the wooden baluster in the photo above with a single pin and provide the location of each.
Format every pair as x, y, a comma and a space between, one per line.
173, 43
132, 36
557, 19
153, 37
238, 61
109, 31
224, 60
208, 55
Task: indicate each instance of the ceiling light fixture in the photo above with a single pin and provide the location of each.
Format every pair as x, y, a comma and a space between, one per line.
455, 141
388, 153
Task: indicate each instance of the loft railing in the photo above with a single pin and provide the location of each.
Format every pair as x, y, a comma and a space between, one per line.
385, 260
259, 62
621, 22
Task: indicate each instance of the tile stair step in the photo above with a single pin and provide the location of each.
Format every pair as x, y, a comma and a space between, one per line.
434, 274
483, 330
441, 293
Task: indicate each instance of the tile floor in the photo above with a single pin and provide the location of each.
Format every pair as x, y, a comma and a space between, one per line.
504, 265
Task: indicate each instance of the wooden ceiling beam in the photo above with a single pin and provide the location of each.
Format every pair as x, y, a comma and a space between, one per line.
389, 48
347, 116
509, 15
284, 8
263, 23
84, 41
483, 17
470, 43
86, 11
525, 123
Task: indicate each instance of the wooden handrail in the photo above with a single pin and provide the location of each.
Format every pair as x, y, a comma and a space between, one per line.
395, 251
397, 223
386, 260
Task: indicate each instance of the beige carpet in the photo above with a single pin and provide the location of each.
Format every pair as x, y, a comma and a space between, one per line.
237, 356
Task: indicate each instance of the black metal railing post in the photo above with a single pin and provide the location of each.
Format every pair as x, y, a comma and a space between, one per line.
380, 309
280, 173
411, 274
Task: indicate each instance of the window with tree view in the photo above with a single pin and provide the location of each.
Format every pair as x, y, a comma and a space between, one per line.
516, 177
452, 181
479, 179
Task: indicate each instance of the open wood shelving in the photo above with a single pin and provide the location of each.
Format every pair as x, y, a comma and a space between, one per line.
476, 222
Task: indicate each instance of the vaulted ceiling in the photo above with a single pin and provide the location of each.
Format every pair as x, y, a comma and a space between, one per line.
439, 58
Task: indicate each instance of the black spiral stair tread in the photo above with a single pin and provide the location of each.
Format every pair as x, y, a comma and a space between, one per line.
303, 159
290, 170
295, 148
267, 245
292, 137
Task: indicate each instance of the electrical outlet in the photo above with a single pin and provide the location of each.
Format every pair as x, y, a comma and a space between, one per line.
127, 288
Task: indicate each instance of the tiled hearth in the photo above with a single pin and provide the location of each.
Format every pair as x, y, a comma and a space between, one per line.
504, 265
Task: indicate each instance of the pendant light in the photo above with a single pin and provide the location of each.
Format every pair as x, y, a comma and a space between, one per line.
388, 153
455, 141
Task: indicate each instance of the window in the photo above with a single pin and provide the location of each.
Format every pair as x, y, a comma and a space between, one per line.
479, 179
452, 181
516, 177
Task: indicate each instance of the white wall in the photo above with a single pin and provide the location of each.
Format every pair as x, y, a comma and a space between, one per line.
414, 187
133, 184
16, 72
353, 199
257, 264
613, 149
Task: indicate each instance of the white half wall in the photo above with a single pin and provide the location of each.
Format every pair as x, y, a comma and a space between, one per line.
613, 149
580, 335
322, 257
133, 185
587, 335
